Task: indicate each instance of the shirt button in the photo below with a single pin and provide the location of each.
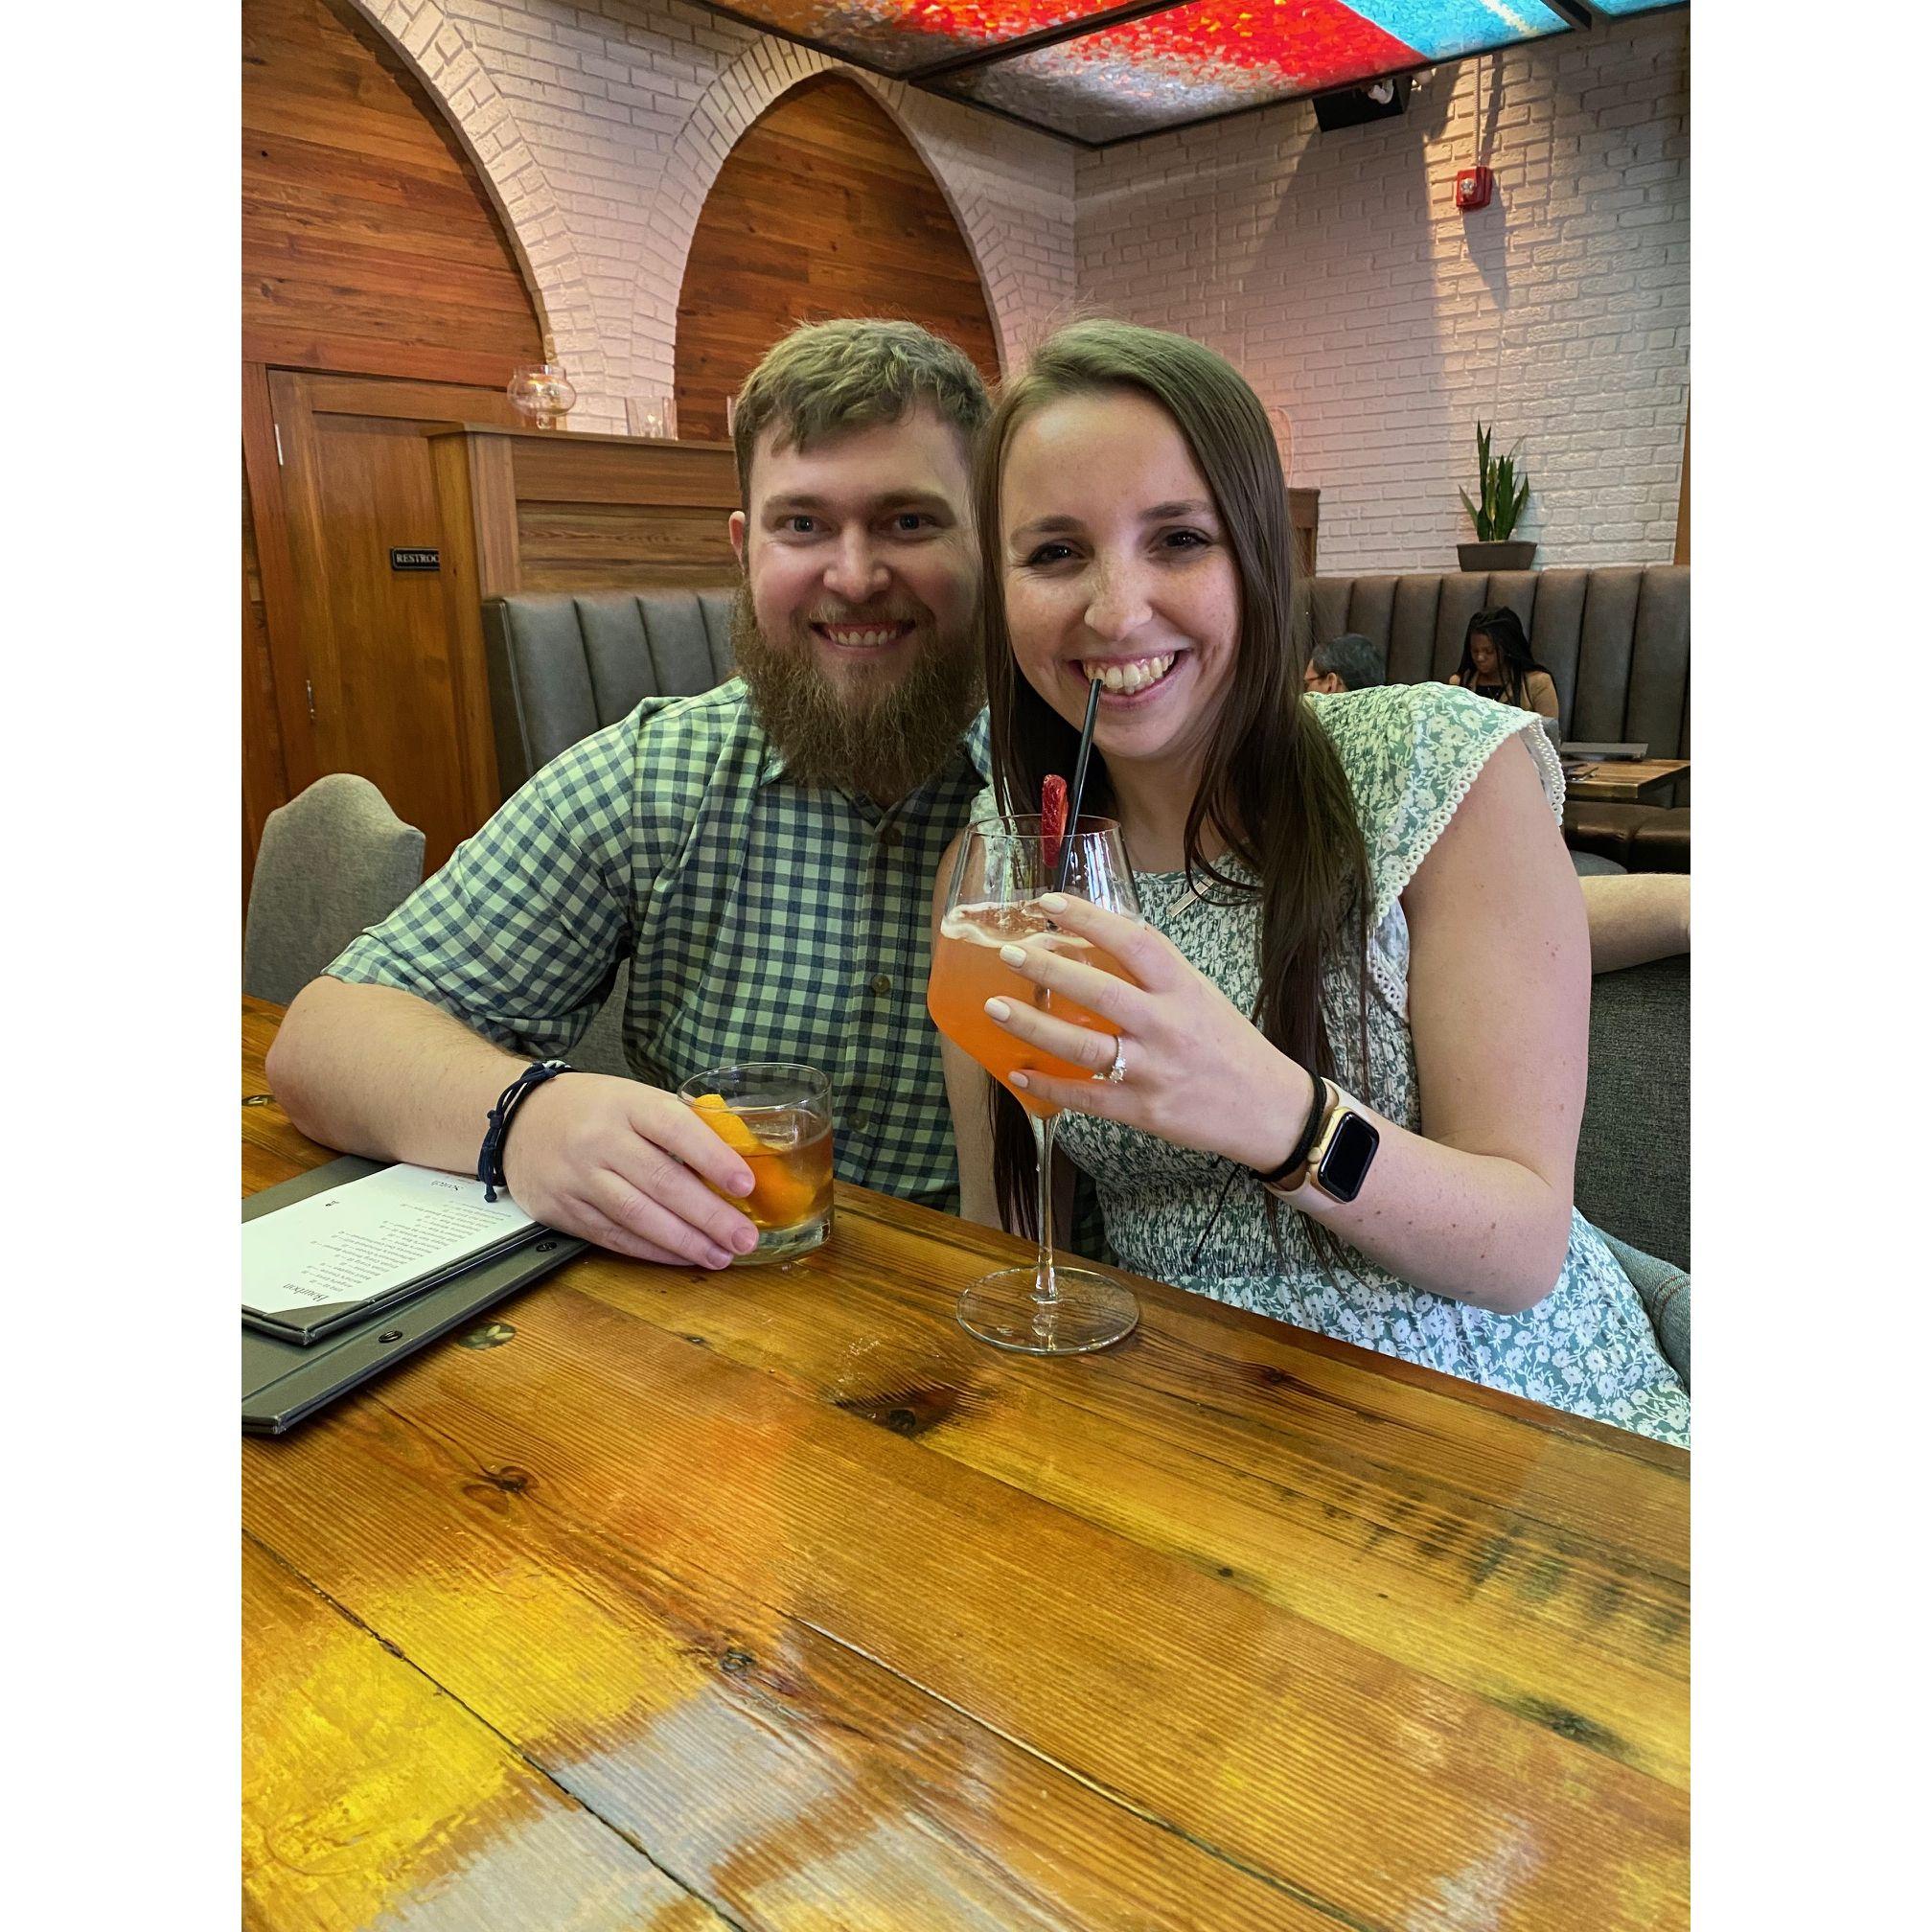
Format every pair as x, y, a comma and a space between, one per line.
861, 1120
882, 983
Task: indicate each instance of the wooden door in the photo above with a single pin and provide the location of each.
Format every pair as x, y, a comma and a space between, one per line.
265, 765
390, 687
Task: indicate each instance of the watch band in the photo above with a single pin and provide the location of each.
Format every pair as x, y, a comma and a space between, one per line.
1337, 1105
1311, 1132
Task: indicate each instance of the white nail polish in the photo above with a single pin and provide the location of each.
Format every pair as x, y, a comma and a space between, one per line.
1014, 956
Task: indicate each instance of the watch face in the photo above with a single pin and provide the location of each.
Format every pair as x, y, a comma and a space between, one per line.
1346, 1164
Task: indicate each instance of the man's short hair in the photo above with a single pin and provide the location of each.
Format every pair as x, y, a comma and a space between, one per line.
1352, 658
825, 377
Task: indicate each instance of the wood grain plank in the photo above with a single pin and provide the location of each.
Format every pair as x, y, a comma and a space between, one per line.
760, 1762
624, 470
282, 607
1540, 1574
303, 209
384, 259
472, 481
822, 209
368, 241
1530, 1558
366, 1789
296, 348
592, 545
1008, 1591
641, 1505
265, 773
282, 174
428, 404
710, 574
1627, 780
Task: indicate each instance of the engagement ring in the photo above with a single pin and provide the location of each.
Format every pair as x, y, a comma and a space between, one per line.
1117, 1073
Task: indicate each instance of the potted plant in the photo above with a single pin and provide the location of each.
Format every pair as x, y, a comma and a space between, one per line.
1504, 495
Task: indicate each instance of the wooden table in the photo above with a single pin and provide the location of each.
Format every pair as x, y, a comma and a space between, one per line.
1629, 781
771, 1600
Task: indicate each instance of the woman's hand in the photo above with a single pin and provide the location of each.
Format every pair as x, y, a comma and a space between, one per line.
1199, 1073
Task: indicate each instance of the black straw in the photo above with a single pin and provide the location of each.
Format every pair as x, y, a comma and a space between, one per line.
1079, 786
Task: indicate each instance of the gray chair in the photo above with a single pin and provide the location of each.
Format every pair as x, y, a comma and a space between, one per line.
1633, 1154
565, 664
333, 860
1665, 1291
601, 1049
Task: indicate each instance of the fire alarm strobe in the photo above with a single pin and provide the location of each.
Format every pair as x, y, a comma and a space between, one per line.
1473, 188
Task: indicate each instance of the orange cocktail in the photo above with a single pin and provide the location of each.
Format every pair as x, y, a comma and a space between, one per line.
1000, 871
777, 1117
967, 971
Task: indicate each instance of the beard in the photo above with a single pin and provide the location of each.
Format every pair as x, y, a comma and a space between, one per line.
883, 730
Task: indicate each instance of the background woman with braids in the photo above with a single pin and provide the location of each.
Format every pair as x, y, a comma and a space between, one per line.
1496, 663
1332, 886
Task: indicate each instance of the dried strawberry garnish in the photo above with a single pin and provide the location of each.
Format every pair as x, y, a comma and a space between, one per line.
1053, 817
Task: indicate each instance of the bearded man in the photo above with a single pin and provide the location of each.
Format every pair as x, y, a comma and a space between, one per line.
763, 854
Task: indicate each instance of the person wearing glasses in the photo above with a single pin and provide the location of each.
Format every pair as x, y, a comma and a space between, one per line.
1349, 662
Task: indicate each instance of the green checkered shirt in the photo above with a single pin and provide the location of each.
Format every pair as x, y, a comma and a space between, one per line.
764, 920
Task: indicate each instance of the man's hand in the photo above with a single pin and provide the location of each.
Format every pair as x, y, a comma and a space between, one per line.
623, 1165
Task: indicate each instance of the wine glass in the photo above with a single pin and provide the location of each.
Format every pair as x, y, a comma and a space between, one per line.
993, 899
541, 394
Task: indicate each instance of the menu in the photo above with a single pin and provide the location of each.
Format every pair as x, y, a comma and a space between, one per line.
311, 1266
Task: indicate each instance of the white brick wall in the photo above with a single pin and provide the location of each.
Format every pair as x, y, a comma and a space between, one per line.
601, 126
1335, 270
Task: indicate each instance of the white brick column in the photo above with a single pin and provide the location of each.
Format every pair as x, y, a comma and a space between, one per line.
437, 51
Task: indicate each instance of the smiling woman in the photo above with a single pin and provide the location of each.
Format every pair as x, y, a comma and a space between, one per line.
1283, 1105
1142, 594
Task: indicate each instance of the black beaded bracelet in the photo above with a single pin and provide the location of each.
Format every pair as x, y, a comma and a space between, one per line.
490, 1162
1317, 1112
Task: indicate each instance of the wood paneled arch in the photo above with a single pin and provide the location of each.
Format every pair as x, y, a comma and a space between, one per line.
822, 209
369, 245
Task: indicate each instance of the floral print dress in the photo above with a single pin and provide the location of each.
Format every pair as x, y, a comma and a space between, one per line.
1411, 753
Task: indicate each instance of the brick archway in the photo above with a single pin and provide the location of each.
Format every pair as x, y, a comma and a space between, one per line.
762, 74
434, 49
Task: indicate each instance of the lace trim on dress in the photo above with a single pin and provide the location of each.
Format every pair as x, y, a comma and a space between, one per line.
1421, 834
1387, 973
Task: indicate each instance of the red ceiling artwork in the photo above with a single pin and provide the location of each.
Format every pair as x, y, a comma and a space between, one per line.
1101, 71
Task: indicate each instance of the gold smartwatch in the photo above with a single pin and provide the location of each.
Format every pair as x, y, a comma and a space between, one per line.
1335, 1150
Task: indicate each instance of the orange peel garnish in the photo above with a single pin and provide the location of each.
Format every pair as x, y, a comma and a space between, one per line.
735, 1132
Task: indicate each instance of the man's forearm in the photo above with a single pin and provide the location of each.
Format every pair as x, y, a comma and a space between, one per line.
376, 1071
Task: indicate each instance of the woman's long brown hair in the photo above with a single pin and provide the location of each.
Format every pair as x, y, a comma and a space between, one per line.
1273, 787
